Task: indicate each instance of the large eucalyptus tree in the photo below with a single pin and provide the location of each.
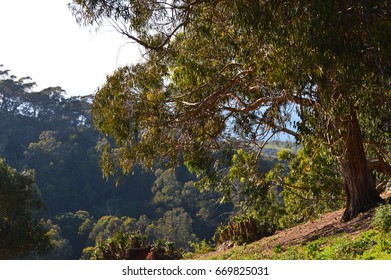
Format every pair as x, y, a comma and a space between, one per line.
222, 70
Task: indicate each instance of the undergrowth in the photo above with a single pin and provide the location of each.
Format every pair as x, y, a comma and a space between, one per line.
367, 245
373, 244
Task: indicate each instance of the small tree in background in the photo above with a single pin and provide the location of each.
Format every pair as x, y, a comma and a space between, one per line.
22, 235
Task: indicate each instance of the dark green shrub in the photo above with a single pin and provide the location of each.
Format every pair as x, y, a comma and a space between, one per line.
382, 218
243, 229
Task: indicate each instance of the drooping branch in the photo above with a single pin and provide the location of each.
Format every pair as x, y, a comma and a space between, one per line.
132, 19
146, 45
287, 131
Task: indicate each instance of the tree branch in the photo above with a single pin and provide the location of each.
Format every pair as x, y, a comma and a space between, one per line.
380, 165
284, 98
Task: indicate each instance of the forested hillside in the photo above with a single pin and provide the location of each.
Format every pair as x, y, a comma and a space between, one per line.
53, 135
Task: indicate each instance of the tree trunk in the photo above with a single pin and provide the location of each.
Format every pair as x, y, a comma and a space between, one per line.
361, 194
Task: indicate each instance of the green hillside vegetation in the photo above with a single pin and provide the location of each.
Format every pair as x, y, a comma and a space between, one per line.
367, 237
369, 245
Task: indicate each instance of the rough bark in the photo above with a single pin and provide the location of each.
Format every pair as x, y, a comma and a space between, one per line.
359, 186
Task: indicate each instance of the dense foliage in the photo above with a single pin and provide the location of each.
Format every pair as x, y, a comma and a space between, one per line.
22, 234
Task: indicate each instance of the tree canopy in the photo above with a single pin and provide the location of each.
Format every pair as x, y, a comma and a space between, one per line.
222, 73
21, 234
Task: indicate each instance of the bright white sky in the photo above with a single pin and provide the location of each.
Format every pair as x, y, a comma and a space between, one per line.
41, 39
